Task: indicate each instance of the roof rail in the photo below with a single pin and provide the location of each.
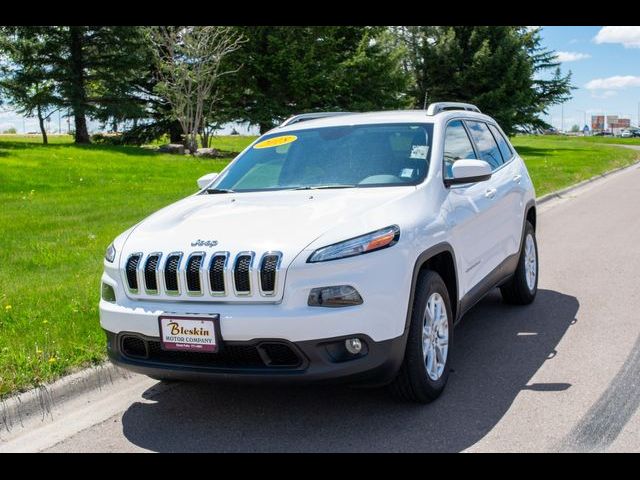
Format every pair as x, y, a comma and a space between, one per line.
309, 116
435, 108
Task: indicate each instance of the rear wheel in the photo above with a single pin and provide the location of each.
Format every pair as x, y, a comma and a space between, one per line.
425, 368
523, 286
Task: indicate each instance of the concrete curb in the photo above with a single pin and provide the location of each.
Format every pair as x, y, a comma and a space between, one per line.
41, 401
560, 193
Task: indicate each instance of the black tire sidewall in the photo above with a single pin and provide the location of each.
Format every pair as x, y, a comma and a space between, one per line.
425, 388
521, 274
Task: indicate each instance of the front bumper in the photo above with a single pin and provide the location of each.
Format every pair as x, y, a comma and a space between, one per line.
323, 360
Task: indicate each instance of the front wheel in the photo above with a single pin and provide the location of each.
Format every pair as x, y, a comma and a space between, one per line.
523, 286
425, 369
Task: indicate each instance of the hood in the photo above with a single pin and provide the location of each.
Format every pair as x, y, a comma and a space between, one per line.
285, 221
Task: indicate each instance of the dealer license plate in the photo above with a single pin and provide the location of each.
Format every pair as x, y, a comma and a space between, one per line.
192, 334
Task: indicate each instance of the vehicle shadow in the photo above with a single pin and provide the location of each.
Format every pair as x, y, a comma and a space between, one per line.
498, 348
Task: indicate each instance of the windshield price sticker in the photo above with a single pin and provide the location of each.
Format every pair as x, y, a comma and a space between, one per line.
276, 141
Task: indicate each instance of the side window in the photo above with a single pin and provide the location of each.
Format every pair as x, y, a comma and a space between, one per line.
457, 146
487, 147
503, 145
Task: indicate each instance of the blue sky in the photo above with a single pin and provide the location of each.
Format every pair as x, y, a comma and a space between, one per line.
605, 62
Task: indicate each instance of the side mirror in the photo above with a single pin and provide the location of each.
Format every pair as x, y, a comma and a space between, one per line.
469, 171
205, 180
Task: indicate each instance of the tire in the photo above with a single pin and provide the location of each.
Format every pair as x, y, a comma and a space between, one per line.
518, 290
413, 382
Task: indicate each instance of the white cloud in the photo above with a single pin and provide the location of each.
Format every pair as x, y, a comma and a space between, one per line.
571, 56
616, 82
627, 36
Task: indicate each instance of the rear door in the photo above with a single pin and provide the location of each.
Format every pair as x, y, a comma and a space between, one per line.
515, 192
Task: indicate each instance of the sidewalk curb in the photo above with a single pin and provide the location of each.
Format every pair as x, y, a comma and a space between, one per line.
41, 401
560, 193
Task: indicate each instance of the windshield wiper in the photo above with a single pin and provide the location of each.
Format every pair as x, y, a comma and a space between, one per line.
323, 187
219, 190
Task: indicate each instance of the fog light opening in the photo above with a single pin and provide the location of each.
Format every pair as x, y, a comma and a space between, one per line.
353, 345
108, 293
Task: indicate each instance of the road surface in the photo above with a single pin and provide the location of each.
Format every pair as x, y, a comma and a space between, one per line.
562, 374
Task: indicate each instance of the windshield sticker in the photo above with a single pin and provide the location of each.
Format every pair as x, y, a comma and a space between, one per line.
276, 141
419, 151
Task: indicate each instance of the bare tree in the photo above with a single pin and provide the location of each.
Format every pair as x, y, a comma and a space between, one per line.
188, 64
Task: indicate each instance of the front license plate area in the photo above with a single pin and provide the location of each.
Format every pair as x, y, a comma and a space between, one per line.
189, 334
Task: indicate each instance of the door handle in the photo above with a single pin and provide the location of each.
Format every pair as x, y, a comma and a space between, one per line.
517, 178
490, 193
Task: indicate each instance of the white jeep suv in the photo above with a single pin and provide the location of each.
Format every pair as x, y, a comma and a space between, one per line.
335, 247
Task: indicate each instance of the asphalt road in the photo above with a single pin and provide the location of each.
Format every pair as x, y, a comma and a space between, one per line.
562, 374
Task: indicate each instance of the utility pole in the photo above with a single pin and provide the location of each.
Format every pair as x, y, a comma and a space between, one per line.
59, 123
562, 118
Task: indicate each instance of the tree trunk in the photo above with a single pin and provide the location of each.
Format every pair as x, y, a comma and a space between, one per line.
175, 132
265, 127
45, 140
78, 91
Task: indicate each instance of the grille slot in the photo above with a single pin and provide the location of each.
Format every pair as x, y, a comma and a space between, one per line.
134, 347
131, 269
216, 274
193, 273
241, 274
268, 268
171, 273
280, 355
150, 278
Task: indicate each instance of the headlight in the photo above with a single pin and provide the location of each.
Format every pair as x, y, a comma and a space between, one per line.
383, 238
110, 255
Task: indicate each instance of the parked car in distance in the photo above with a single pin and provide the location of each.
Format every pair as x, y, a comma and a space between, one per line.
626, 134
336, 247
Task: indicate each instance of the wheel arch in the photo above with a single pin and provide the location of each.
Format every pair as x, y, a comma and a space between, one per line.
531, 215
440, 259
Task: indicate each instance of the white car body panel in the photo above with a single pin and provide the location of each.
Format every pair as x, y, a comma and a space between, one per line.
481, 231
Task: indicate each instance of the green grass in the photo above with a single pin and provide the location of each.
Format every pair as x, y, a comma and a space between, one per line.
63, 204
555, 162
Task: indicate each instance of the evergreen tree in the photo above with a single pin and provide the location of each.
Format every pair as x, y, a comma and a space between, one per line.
91, 70
287, 70
500, 69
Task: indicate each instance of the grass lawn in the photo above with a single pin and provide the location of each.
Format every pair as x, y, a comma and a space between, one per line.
63, 204
555, 162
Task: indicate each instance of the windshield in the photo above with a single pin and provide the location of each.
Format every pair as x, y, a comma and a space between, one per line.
332, 157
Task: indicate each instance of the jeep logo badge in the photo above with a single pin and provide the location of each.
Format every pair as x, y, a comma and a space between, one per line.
204, 243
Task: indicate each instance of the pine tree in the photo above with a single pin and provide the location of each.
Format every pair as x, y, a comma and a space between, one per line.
288, 70
498, 68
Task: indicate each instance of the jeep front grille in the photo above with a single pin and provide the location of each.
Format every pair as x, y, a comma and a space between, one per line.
217, 270
132, 271
242, 274
268, 267
151, 273
193, 273
202, 274
171, 273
